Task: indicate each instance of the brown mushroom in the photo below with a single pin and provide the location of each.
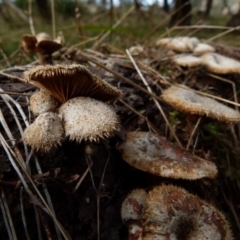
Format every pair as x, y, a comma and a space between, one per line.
88, 119
41, 102
28, 43
41, 45
173, 213
45, 132
154, 154
184, 99
66, 82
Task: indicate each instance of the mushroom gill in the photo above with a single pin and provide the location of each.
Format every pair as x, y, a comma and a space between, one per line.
68, 81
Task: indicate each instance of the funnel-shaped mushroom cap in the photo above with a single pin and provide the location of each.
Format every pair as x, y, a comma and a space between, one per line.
88, 119
134, 205
41, 102
48, 46
45, 132
28, 43
202, 48
187, 60
66, 82
154, 154
220, 64
183, 99
174, 213
180, 44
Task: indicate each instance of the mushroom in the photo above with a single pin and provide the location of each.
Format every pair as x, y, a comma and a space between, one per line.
173, 213
180, 44
45, 132
42, 101
154, 154
88, 119
202, 48
28, 43
184, 99
220, 64
66, 82
187, 60
134, 205
41, 45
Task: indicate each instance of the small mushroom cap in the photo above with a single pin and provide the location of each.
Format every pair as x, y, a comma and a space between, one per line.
48, 47
41, 102
220, 64
88, 119
202, 48
45, 132
28, 43
134, 205
176, 214
183, 99
180, 44
187, 60
42, 36
66, 82
136, 50
154, 154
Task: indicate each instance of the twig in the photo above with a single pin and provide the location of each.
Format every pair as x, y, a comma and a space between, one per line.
30, 19
193, 132
155, 101
9, 217
53, 19
99, 195
39, 230
5, 219
90, 59
82, 177
113, 27
161, 23
208, 95
23, 215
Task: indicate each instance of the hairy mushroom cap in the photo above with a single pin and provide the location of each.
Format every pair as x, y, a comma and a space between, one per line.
154, 154
174, 213
66, 82
187, 60
42, 101
183, 99
220, 64
88, 119
202, 48
45, 132
29, 43
134, 205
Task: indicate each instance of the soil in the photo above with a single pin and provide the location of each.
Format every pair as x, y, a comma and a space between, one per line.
93, 210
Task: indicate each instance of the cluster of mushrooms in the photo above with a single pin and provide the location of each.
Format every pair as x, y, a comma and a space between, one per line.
169, 212
192, 53
72, 102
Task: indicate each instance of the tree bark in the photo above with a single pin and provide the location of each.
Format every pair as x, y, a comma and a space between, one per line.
208, 8
166, 6
182, 16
